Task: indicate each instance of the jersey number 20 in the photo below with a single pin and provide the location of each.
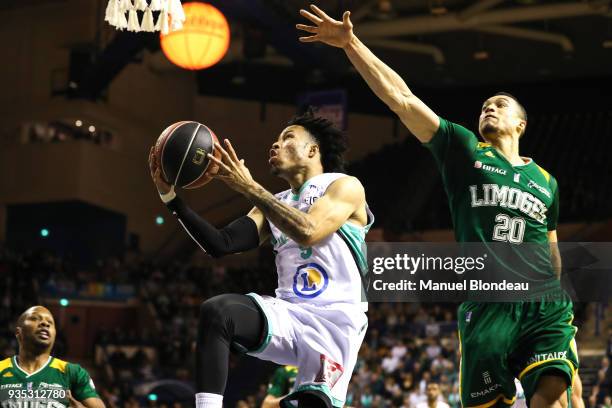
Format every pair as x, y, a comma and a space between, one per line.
509, 229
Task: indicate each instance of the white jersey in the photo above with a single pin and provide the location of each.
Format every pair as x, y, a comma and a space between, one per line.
520, 395
327, 272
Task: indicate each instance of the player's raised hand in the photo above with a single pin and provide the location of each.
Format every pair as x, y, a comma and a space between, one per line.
326, 29
162, 186
232, 170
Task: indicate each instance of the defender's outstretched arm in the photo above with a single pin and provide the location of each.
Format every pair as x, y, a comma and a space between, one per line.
386, 83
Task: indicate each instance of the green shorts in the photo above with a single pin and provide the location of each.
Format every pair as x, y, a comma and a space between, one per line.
503, 341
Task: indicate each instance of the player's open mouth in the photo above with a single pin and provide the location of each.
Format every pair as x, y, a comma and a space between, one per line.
44, 334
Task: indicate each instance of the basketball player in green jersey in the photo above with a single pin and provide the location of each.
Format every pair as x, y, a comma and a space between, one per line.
495, 195
281, 384
34, 378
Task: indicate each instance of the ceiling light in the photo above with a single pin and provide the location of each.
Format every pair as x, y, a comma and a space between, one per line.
91, 128
481, 55
438, 10
78, 123
384, 11
385, 6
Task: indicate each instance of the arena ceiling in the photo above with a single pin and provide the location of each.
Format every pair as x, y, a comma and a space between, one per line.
436, 42
430, 43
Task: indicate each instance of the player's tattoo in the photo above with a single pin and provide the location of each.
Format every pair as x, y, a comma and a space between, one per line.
291, 221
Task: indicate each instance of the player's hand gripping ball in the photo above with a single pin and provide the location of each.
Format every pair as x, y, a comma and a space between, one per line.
181, 154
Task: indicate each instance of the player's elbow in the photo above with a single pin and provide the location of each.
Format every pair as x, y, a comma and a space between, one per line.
307, 237
306, 233
308, 241
218, 248
216, 251
401, 102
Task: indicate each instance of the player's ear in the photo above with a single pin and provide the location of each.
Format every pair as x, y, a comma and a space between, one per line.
313, 150
522, 125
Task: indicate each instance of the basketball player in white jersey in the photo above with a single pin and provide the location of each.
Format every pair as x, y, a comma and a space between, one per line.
317, 227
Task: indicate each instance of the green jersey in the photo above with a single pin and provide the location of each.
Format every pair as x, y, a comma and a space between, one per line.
44, 388
492, 200
282, 381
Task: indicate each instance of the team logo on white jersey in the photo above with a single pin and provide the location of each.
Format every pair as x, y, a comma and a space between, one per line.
310, 280
311, 195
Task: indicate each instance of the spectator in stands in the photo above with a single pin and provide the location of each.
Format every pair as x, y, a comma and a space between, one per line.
454, 399
434, 397
389, 362
415, 397
603, 375
392, 391
609, 348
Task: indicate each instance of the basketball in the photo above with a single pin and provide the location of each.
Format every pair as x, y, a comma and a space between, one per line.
181, 151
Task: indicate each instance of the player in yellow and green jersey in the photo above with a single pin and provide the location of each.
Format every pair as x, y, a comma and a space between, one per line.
34, 378
280, 385
495, 195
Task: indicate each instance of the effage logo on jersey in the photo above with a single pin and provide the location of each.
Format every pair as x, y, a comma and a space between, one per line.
310, 280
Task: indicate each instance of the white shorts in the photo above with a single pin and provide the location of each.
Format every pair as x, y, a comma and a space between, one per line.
322, 341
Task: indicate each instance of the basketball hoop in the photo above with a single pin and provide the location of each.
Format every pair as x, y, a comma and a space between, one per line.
123, 14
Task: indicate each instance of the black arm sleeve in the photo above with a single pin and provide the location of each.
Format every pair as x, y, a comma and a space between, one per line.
238, 236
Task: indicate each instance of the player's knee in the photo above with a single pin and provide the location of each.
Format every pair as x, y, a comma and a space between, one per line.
211, 311
551, 392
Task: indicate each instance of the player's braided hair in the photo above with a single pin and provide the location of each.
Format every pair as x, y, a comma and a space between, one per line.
332, 142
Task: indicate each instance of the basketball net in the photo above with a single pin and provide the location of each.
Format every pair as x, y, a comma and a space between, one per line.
123, 15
